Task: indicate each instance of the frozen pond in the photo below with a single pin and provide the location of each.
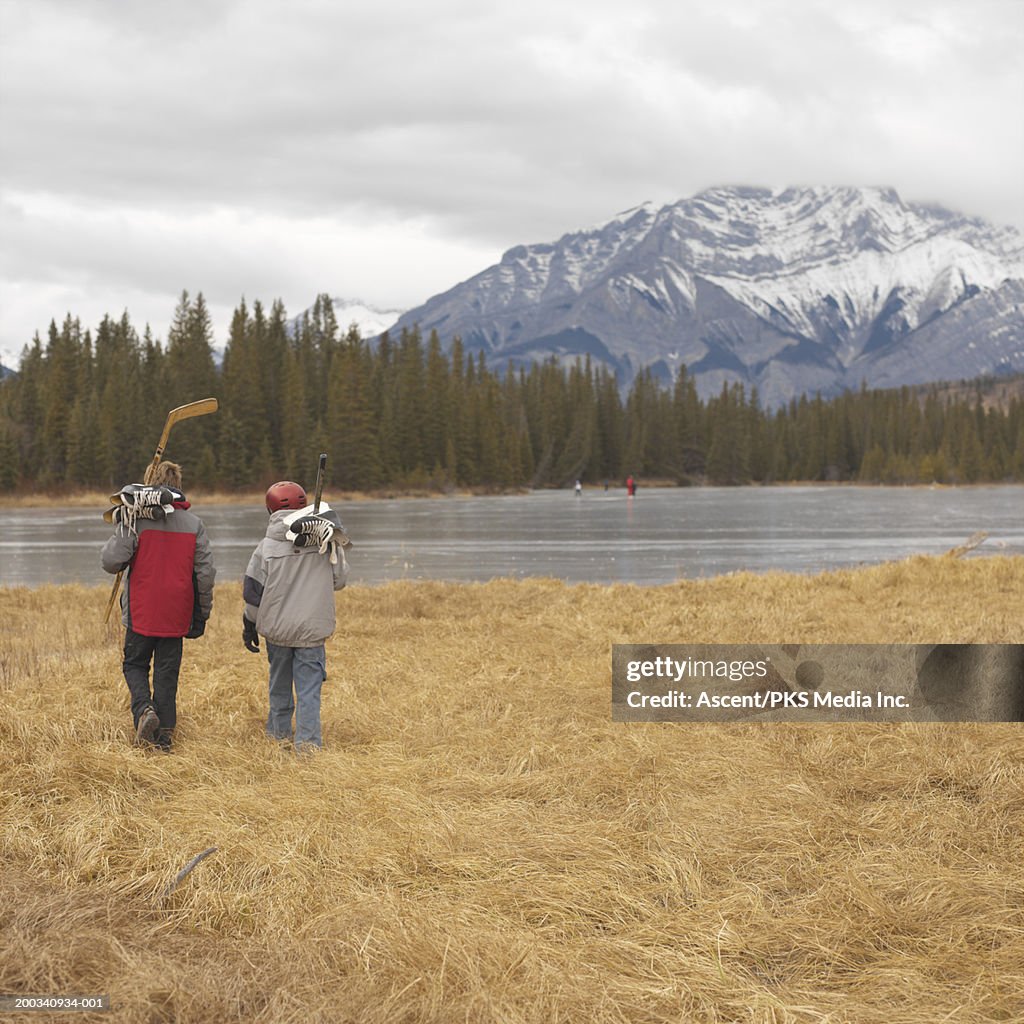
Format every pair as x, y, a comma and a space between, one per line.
657, 537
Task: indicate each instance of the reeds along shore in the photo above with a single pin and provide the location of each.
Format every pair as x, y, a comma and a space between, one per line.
256, 498
479, 842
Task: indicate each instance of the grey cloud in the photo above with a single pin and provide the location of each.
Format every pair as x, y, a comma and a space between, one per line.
452, 111
499, 124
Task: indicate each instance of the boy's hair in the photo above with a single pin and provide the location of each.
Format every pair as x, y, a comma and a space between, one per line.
168, 474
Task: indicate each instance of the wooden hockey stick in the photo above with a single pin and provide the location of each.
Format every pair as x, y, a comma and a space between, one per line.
183, 412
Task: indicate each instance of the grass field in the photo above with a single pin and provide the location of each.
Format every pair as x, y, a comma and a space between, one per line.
479, 842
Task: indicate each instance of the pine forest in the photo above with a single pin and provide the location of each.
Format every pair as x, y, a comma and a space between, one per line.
86, 407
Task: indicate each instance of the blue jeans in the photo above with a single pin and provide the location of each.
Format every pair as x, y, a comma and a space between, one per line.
306, 669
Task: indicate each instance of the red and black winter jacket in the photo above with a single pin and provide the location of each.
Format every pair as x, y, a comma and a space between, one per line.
169, 586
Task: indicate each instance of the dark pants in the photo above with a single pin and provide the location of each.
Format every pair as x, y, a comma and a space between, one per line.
165, 653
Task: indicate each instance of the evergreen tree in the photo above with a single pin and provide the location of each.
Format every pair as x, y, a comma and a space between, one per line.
8, 460
153, 386
191, 371
609, 427
729, 454
85, 409
124, 453
63, 361
436, 411
689, 458
83, 443
350, 424
462, 457
232, 463
270, 344
872, 467
296, 423
577, 449
641, 411
27, 407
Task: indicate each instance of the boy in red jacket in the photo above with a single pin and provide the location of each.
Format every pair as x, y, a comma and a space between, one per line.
168, 594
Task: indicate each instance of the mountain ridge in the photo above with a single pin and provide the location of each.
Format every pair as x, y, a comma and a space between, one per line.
793, 291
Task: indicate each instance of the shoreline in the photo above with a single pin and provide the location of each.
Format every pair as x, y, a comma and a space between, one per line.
101, 499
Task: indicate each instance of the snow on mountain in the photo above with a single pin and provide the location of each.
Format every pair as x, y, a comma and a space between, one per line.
9, 361
370, 320
794, 291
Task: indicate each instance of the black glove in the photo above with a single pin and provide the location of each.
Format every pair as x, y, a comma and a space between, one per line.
196, 630
250, 637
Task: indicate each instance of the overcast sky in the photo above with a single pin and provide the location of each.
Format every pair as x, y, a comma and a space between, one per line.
386, 151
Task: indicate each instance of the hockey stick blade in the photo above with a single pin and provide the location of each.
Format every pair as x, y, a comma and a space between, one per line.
182, 412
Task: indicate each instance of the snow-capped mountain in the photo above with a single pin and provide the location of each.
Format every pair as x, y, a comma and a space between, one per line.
9, 361
794, 291
370, 320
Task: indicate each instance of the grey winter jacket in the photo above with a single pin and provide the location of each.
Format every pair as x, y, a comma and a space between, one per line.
289, 591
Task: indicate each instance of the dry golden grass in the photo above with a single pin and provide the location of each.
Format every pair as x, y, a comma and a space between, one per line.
479, 842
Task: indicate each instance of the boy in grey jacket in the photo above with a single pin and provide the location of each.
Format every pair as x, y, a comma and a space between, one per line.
289, 600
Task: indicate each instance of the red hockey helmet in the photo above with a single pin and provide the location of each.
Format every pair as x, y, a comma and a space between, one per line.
285, 494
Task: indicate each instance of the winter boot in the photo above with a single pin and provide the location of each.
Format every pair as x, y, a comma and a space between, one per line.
145, 731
